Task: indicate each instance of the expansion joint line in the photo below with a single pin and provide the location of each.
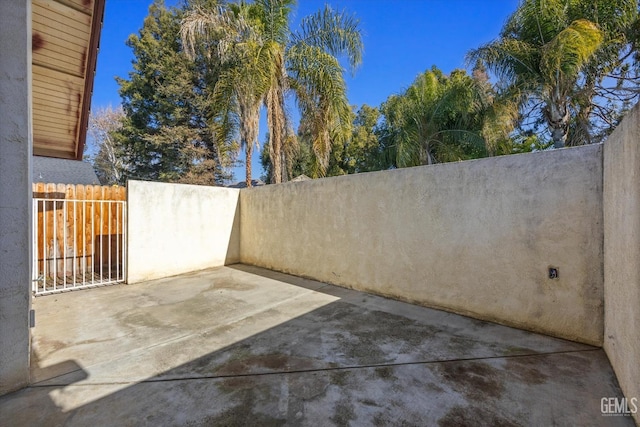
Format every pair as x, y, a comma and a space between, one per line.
316, 370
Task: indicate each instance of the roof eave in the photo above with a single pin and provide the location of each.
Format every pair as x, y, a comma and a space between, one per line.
92, 60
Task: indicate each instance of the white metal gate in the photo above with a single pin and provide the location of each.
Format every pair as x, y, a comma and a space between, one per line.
78, 244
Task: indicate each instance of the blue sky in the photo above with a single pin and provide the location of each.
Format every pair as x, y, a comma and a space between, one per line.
402, 38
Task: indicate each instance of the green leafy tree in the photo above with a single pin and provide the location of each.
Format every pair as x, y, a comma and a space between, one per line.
610, 81
315, 75
170, 132
567, 65
437, 119
274, 61
229, 34
360, 152
299, 160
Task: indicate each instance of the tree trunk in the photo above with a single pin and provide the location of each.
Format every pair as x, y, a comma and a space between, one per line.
557, 116
584, 101
250, 117
249, 152
276, 121
582, 133
276, 117
283, 175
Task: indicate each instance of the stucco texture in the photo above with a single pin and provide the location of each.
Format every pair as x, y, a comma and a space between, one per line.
15, 193
177, 228
475, 238
622, 253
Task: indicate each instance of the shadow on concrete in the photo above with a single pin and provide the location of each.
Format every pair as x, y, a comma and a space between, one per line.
354, 359
19, 408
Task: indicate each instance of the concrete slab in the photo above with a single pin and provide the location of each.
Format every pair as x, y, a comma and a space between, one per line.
242, 345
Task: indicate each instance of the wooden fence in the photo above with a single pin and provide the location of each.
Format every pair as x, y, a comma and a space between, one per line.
79, 236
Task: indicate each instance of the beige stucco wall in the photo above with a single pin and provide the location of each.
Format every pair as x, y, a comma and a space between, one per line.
622, 253
177, 228
474, 237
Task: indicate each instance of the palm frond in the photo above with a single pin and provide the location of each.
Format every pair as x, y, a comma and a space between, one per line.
509, 58
273, 15
321, 94
500, 120
335, 32
569, 51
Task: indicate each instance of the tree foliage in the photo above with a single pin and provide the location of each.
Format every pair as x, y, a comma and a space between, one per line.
264, 59
567, 65
359, 152
316, 77
438, 118
563, 73
229, 33
170, 131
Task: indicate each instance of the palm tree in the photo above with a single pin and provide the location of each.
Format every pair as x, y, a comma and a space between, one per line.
302, 62
540, 55
437, 119
305, 63
316, 77
609, 83
231, 38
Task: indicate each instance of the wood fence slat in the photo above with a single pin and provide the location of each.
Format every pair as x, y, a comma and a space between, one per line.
60, 231
50, 192
88, 227
71, 226
80, 231
38, 191
97, 226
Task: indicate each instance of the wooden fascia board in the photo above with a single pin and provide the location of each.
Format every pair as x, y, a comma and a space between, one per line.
92, 60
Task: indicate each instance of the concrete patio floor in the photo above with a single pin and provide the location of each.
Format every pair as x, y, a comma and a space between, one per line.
241, 345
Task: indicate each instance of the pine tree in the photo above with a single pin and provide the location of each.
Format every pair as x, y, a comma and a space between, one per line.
168, 132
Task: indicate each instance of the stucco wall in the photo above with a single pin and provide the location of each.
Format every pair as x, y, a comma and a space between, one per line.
622, 253
475, 238
176, 228
15, 193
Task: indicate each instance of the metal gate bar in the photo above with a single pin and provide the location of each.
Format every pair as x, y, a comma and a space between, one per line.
78, 244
